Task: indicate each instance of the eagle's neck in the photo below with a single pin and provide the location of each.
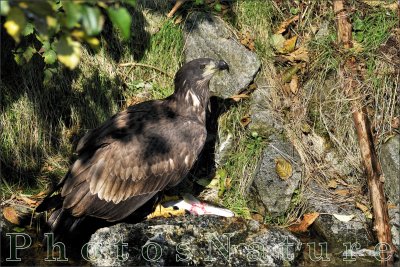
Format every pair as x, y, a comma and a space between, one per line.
193, 101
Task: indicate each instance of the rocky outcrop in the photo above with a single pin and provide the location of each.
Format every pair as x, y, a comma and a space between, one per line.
339, 222
209, 36
390, 160
190, 240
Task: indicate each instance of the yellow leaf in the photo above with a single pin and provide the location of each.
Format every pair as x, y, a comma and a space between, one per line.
51, 21
283, 168
332, 184
93, 42
68, 52
289, 45
15, 23
78, 34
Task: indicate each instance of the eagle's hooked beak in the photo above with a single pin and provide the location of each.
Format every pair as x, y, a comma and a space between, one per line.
222, 65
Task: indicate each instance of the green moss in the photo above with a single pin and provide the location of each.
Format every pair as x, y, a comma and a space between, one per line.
242, 160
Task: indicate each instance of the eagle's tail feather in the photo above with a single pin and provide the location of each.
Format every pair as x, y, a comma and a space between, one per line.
62, 224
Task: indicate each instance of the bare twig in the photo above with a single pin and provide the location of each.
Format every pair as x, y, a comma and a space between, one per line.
365, 139
177, 5
133, 64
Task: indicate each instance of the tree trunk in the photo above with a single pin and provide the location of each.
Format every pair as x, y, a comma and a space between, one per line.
370, 160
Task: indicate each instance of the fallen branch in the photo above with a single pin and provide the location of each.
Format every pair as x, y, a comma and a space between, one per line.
134, 64
175, 8
365, 138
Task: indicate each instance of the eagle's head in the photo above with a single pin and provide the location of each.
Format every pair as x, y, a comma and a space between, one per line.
193, 78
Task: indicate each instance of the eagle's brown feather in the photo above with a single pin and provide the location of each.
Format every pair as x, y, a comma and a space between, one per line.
133, 165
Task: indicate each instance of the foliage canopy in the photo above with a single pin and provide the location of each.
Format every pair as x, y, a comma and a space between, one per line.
60, 27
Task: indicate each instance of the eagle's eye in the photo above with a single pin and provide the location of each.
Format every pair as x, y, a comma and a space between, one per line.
202, 66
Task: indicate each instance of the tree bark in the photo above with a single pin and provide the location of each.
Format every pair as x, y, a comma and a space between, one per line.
365, 138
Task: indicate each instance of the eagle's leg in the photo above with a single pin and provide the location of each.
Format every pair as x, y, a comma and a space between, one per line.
168, 210
192, 205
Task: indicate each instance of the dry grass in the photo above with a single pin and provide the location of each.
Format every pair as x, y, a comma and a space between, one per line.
41, 124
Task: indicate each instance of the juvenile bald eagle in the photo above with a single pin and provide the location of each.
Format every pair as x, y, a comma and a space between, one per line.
135, 154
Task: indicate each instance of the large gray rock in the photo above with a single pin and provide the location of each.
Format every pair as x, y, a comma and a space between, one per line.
394, 217
338, 232
274, 192
209, 36
204, 240
264, 119
390, 159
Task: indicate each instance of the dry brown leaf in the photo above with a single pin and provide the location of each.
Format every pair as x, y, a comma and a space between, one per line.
395, 122
27, 200
332, 184
283, 26
364, 209
239, 97
342, 192
289, 45
392, 206
294, 84
307, 220
178, 20
257, 217
340, 181
245, 120
248, 41
252, 87
11, 215
300, 54
283, 168
228, 183
41, 194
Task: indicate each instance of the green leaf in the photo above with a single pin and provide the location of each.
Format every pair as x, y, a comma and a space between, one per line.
92, 20
68, 52
130, 2
18, 57
73, 14
4, 8
218, 7
48, 74
277, 41
29, 28
50, 57
122, 20
18, 229
46, 45
39, 8
15, 23
199, 2
294, 10
358, 24
28, 53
